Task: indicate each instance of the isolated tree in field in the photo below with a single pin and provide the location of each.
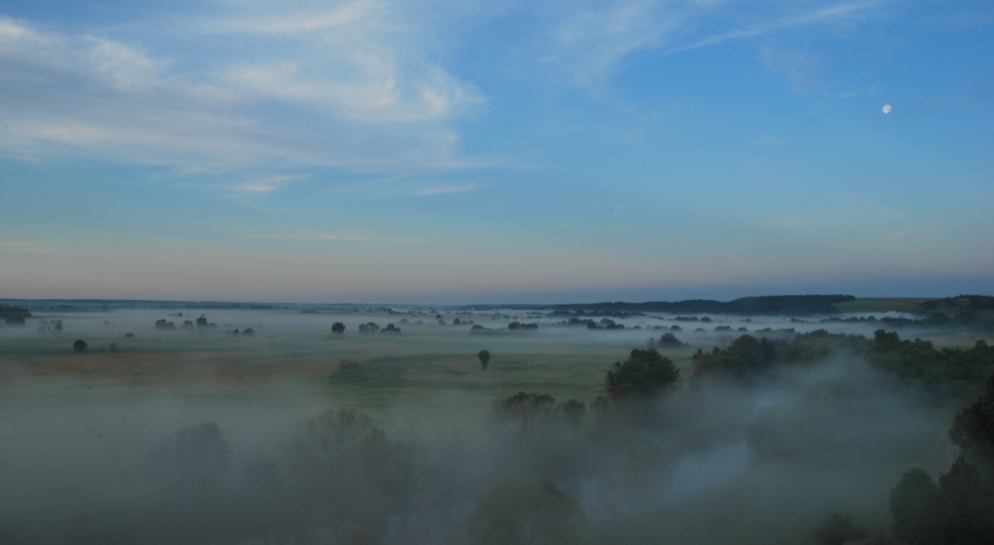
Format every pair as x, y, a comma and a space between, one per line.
80, 345
338, 328
202, 321
484, 356
519, 510
644, 375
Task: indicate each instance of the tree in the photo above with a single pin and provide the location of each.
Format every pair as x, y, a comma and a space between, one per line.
336, 435
645, 374
912, 502
202, 321
391, 329
965, 511
338, 328
958, 511
164, 324
368, 328
529, 414
193, 462
973, 427
669, 340
518, 510
484, 356
837, 530
80, 345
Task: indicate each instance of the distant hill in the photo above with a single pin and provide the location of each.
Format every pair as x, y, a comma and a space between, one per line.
769, 305
952, 306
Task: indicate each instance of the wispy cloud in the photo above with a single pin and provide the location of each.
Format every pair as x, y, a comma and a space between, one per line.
265, 185
428, 190
844, 12
896, 236
351, 86
592, 40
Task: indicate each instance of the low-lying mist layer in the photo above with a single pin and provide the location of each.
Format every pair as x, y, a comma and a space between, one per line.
760, 439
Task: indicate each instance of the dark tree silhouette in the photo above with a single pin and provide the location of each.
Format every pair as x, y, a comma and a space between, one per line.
965, 510
338, 328
837, 530
193, 462
484, 356
958, 511
973, 427
645, 374
518, 510
911, 505
80, 345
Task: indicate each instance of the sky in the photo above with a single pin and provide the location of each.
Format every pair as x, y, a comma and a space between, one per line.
438, 151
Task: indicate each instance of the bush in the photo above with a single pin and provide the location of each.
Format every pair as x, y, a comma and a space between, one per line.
80, 345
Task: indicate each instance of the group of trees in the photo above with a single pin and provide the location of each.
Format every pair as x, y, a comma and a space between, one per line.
948, 372
199, 323
532, 417
372, 327
644, 375
46, 326
666, 340
960, 509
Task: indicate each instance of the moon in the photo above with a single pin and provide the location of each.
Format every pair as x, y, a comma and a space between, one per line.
887, 109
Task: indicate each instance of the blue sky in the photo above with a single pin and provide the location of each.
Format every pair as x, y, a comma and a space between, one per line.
501, 151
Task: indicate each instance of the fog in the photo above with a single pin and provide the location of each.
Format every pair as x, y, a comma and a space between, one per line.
197, 435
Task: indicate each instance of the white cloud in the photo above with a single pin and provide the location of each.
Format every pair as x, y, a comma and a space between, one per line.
343, 87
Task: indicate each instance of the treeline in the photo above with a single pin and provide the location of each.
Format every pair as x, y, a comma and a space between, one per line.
9, 311
783, 305
941, 373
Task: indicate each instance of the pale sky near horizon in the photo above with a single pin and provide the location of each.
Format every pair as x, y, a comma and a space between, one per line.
501, 151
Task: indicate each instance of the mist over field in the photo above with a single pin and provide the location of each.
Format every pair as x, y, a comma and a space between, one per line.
287, 432
420, 272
